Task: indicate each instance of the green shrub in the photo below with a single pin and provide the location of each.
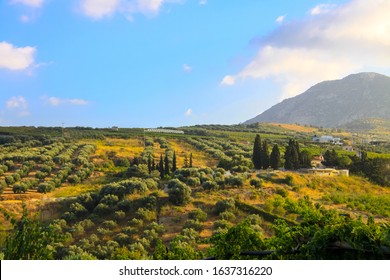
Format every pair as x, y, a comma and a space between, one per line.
224, 205
289, 180
210, 186
257, 183
198, 214
222, 224
228, 216
194, 224
178, 192
282, 192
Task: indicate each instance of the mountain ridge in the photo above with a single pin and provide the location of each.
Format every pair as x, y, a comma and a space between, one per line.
334, 103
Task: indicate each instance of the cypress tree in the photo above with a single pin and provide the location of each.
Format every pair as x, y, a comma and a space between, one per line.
161, 167
287, 157
191, 160
185, 161
275, 160
291, 155
174, 162
166, 162
153, 164
256, 156
265, 155
150, 163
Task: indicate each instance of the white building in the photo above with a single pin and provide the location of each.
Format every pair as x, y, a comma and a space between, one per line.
327, 139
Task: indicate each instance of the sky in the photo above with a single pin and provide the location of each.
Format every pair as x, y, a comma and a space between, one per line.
152, 63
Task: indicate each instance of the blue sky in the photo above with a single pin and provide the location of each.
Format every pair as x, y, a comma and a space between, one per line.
149, 63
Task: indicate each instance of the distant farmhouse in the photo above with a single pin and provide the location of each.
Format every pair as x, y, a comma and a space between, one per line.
317, 161
161, 130
327, 139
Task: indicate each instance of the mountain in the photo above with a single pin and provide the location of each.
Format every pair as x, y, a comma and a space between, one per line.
335, 103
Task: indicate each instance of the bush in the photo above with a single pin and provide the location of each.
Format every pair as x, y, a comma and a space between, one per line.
225, 205
102, 209
74, 179
222, 224
110, 224
119, 215
178, 192
210, 186
145, 214
235, 181
227, 215
45, 187
282, 192
193, 181
110, 199
194, 224
78, 209
256, 183
19, 188
198, 214
289, 180
9, 180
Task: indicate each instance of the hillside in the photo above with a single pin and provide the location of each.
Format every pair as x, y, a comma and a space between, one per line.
335, 103
109, 199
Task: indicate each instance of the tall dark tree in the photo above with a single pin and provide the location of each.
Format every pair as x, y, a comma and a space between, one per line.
150, 163
185, 161
291, 156
331, 158
174, 167
275, 160
256, 156
166, 163
191, 160
161, 167
153, 164
264, 155
305, 158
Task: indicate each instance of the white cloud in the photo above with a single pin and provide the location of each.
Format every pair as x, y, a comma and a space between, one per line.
187, 68
30, 3
322, 9
188, 112
228, 81
280, 19
18, 104
149, 6
55, 101
98, 9
79, 102
202, 2
14, 58
325, 45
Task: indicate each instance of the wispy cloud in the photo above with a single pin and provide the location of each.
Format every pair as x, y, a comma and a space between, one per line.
19, 105
322, 9
228, 80
331, 42
187, 68
280, 19
30, 3
188, 112
202, 2
56, 101
99, 9
15, 58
